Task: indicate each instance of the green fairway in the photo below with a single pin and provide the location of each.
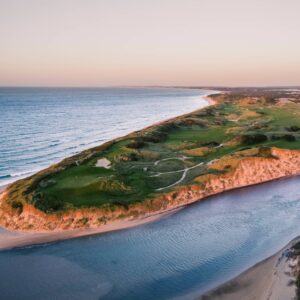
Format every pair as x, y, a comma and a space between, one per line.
161, 158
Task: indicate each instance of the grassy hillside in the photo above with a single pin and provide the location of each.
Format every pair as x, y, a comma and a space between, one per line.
163, 157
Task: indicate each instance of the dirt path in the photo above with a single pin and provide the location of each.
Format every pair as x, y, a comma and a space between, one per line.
184, 172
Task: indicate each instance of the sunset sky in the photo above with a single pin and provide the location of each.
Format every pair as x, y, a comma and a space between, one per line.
149, 42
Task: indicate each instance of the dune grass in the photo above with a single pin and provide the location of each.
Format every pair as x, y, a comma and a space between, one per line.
146, 161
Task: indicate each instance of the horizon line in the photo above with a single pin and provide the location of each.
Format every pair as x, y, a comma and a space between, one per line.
153, 86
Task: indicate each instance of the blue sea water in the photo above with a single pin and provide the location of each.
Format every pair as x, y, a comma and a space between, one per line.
40, 126
178, 257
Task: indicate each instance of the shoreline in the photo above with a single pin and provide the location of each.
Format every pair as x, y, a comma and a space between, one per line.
269, 279
10, 239
205, 97
16, 239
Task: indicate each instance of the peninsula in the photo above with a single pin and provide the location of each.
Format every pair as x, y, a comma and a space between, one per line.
246, 137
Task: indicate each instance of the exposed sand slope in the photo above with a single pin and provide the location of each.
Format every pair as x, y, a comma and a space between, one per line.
12, 239
271, 279
246, 171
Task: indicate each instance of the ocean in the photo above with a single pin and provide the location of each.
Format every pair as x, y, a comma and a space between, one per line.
41, 126
178, 256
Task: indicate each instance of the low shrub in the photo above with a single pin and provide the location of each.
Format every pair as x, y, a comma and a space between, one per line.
17, 205
83, 220
46, 203
289, 138
136, 144
293, 128
254, 138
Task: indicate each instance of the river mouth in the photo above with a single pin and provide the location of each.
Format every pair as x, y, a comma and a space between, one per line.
180, 256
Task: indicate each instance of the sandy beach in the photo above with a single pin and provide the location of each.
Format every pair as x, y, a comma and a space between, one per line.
12, 239
271, 279
150, 150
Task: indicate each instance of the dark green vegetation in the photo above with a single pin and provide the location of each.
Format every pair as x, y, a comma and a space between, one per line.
162, 157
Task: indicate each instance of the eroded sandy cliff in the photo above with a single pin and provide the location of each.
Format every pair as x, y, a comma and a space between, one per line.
246, 171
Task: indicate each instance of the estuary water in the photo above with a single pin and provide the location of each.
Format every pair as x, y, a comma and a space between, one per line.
41, 126
178, 257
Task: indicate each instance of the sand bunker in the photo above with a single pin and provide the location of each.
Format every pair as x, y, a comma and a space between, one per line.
103, 163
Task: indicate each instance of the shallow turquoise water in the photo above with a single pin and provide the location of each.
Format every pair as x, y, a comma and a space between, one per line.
177, 257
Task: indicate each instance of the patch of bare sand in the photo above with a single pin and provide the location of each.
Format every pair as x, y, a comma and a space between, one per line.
103, 163
271, 279
11, 239
246, 114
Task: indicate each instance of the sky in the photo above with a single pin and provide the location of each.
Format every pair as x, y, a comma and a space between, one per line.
149, 42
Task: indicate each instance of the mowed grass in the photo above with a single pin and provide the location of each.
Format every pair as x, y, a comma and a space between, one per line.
197, 135
87, 186
282, 118
134, 159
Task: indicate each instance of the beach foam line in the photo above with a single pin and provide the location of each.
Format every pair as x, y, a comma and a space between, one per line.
10, 178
